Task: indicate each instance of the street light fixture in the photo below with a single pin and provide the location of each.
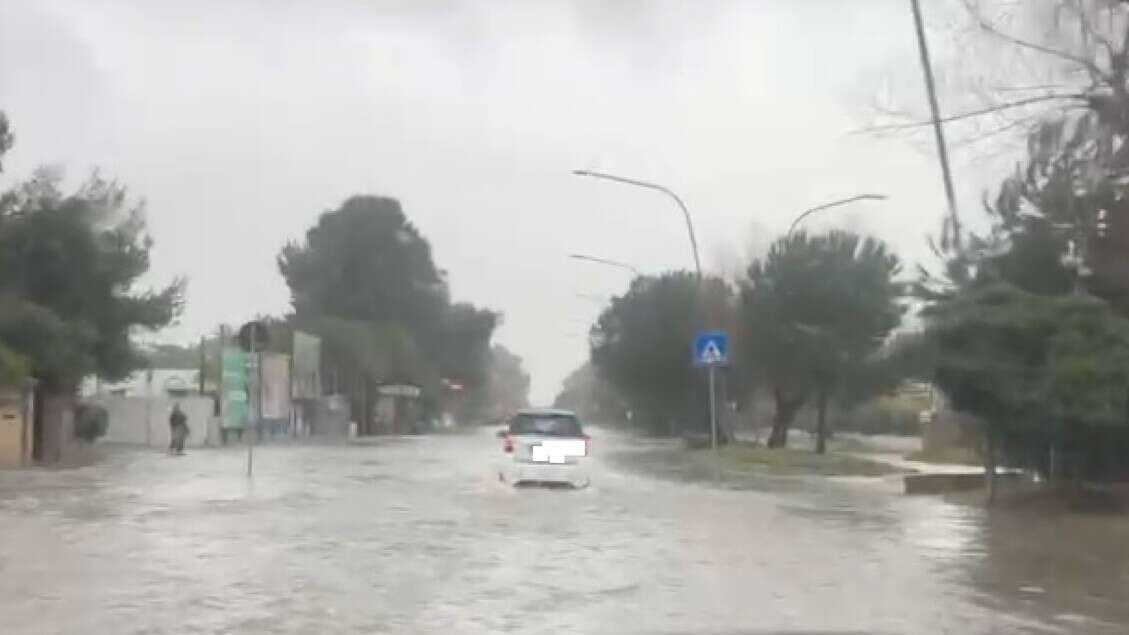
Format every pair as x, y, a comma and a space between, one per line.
697, 265
806, 213
606, 261
658, 188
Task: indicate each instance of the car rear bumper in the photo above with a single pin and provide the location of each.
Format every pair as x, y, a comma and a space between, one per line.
573, 474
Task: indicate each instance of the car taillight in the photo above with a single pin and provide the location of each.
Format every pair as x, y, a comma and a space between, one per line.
508, 444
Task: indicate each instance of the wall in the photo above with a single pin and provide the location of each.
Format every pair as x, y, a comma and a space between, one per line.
14, 428
142, 421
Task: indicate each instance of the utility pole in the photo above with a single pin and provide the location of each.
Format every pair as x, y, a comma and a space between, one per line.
938, 130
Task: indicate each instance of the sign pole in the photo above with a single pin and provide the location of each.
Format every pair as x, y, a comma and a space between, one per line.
713, 410
250, 435
711, 349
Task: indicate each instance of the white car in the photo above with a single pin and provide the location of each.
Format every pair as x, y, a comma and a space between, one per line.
544, 446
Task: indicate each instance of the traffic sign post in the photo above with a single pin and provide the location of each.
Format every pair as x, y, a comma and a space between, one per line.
253, 337
711, 349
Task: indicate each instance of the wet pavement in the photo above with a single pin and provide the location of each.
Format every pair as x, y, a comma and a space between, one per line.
417, 536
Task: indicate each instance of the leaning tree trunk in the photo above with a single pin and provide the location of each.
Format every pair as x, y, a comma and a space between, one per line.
821, 424
53, 424
778, 438
785, 412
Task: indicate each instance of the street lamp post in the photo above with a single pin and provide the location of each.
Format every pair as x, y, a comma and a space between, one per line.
606, 261
806, 213
697, 265
658, 188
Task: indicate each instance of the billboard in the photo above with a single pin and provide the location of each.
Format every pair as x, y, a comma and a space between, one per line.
235, 405
276, 385
307, 366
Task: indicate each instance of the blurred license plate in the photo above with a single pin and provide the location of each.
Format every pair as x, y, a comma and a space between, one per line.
556, 451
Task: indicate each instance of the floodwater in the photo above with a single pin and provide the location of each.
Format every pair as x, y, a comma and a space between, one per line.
417, 536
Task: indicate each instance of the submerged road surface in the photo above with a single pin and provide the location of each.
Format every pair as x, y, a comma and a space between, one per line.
417, 536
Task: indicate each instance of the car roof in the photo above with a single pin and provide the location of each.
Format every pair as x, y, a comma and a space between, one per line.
554, 412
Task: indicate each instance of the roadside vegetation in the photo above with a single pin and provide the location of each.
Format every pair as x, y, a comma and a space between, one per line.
70, 298
744, 465
1024, 324
363, 279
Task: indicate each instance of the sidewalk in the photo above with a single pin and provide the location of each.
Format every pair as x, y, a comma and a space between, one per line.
922, 467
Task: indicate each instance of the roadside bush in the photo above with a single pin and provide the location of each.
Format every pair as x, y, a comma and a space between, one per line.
90, 422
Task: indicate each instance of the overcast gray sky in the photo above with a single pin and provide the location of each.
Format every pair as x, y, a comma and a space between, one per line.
240, 121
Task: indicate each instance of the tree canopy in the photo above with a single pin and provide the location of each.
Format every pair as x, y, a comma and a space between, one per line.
366, 261
641, 343
812, 312
364, 280
68, 268
13, 367
462, 345
1032, 368
1026, 329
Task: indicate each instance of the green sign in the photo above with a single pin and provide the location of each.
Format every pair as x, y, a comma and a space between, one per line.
236, 405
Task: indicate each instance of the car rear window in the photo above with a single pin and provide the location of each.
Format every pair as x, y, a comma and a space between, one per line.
547, 425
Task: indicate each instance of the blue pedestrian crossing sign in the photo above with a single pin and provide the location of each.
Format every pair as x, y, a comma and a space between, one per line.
711, 348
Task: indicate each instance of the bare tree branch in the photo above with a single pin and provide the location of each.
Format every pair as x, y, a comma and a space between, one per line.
983, 136
1087, 29
1019, 89
977, 113
985, 25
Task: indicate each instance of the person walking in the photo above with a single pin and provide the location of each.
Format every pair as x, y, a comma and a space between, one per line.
178, 430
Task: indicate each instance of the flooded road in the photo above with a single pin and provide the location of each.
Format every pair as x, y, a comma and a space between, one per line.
417, 536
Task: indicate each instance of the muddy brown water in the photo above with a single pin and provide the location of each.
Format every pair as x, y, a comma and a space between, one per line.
419, 537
